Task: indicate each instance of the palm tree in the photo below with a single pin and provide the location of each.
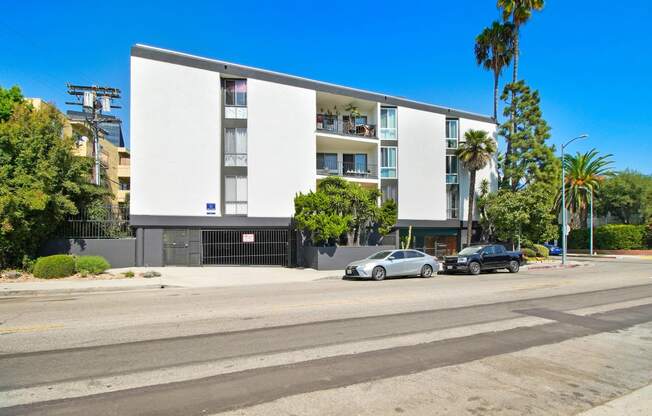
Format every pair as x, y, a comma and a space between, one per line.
519, 11
494, 48
475, 153
584, 174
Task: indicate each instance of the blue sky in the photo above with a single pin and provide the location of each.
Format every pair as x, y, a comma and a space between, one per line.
591, 60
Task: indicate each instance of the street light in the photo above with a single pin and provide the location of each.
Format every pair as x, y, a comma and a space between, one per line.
563, 197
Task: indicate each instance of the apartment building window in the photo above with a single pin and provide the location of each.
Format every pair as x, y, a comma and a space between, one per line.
235, 195
124, 184
389, 191
327, 163
235, 146
451, 169
388, 162
235, 98
452, 133
452, 202
388, 130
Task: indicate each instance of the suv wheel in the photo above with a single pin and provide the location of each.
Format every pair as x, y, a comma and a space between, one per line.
378, 273
474, 268
513, 266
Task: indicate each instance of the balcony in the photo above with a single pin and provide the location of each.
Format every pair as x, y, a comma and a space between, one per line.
346, 125
124, 171
351, 170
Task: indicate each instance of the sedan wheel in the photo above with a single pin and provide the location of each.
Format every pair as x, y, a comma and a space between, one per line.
513, 266
426, 271
378, 273
474, 268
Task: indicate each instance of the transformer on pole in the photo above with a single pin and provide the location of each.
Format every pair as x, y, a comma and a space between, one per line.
95, 101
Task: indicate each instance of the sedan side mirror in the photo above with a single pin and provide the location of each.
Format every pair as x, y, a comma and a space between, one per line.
390, 258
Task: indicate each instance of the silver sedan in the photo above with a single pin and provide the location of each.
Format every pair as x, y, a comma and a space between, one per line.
393, 263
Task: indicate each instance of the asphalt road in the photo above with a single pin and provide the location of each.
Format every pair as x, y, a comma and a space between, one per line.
302, 348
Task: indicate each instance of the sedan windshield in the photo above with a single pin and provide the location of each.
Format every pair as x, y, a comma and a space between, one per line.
379, 255
470, 250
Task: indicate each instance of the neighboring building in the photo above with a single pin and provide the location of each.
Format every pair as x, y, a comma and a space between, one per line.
114, 156
220, 150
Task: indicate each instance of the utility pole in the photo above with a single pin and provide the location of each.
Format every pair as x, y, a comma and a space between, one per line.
95, 101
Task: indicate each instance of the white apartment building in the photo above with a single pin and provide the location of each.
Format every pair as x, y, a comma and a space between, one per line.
219, 151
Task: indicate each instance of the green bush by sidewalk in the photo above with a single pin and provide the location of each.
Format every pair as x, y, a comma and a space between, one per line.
54, 267
541, 251
91, 264
528, 253
610, 237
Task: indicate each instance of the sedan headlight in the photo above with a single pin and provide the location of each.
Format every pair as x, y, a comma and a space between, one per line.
462, 259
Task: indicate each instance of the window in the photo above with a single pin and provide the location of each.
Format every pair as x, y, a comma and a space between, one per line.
452, 133
451, 169
235, 195
389, 190
452, 201
327, 163
388, 162
398, 255
355, 164
235, 98
489, 250
235, 147
413, 254
235, 92
388, 129
124, 184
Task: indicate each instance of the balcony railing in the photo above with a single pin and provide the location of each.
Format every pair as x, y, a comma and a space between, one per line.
332, 124
348, 170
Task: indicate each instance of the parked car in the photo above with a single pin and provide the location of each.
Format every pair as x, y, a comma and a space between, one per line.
390, 263
553, 249
474, 259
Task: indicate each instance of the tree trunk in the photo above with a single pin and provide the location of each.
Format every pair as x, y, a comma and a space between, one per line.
469, 226
496, 75
512, 115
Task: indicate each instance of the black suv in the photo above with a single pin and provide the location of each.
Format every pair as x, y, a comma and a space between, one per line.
475, 259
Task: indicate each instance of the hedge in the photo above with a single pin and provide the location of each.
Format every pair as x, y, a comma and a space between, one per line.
541, 251
91, 264
528, 253
53, 267
610, 237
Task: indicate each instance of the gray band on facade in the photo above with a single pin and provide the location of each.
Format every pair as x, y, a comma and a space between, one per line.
208, 221
452, 223
163, 55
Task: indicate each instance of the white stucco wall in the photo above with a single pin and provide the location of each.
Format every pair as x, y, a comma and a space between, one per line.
281, 146
421, 165
489, 173
175, 139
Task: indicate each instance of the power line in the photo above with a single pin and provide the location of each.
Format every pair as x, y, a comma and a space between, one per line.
94, 101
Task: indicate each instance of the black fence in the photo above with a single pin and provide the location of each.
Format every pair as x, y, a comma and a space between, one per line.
111, 221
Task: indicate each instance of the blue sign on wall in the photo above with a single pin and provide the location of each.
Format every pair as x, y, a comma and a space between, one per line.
210, 208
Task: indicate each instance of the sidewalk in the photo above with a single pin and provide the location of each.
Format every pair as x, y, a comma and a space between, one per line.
184, 277
639, 402
555, 264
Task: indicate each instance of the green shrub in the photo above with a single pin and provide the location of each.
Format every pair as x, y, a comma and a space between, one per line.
53, 267
541, 251
528, 252
28, 264
91, 264
620, 237
578, 239
128, 273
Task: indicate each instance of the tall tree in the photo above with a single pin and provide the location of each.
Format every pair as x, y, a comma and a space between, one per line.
8, 99
475, 153
41, 181
531, 159
584, 174
518, 12
494, 48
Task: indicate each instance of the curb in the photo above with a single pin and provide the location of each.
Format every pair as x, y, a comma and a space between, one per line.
555, 266
31, 292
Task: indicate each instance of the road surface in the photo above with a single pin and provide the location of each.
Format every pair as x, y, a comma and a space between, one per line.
537, 342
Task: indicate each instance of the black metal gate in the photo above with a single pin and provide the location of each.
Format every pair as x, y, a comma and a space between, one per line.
245, 247
181, 247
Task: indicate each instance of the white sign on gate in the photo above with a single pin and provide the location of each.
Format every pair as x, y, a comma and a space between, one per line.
248, 238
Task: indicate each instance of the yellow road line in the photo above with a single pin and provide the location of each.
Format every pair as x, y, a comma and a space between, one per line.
33, 328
